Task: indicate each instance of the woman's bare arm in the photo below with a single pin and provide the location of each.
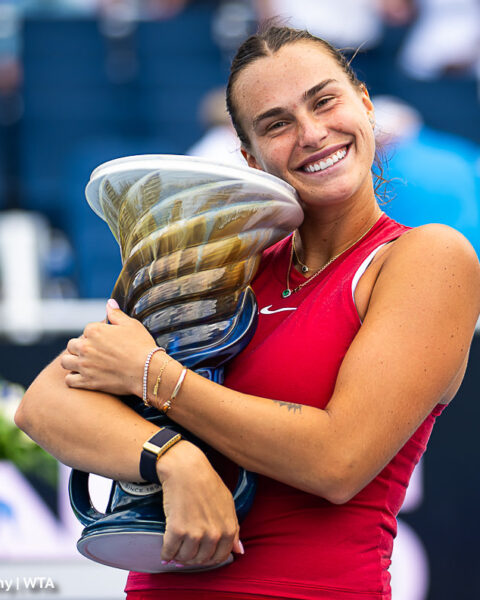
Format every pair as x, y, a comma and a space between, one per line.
407, 356
88, 430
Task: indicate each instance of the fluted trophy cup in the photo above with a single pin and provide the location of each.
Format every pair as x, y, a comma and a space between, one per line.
191, 233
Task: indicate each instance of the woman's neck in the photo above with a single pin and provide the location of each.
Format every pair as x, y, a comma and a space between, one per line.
325, 234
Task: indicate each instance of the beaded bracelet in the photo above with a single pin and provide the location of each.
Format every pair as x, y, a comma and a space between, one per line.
168, 404
145, 374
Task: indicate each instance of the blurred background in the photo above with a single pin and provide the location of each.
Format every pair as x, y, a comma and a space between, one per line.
86, 81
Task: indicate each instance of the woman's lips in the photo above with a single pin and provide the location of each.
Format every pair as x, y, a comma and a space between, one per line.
325, 163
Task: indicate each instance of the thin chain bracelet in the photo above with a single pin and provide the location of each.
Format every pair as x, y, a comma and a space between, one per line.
159, 379
145, 374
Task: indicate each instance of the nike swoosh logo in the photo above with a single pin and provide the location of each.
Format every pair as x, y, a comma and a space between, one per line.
266, 310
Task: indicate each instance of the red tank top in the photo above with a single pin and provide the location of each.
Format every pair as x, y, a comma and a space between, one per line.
298, 545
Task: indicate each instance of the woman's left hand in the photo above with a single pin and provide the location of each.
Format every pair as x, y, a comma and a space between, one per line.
109, 357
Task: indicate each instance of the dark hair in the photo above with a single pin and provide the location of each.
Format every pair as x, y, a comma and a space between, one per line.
266, 42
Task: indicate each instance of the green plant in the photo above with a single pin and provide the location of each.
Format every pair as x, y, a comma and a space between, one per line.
16, 446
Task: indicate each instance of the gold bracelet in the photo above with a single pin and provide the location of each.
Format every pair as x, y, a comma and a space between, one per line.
159, 379
145, 375
168, 404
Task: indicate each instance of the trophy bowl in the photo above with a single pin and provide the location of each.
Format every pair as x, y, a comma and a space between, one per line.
191, 234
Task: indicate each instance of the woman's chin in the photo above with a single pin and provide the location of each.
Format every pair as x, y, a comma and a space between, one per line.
322, 198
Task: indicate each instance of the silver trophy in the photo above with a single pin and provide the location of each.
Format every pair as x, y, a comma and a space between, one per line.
191, 234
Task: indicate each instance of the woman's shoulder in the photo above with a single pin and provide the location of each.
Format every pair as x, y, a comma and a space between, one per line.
419, 251
434, 242
432, 259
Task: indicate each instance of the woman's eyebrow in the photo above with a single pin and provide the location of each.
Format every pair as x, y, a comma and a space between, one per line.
278, 110
272, 112
317, 88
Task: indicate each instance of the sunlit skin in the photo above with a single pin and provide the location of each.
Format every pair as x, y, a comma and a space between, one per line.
290, 115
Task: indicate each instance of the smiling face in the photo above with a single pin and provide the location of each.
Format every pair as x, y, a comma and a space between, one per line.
307, 124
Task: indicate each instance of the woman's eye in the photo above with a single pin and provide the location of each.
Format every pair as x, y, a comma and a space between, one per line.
276, 125
323, 101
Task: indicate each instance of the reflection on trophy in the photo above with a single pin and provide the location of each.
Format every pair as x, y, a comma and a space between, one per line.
191, 234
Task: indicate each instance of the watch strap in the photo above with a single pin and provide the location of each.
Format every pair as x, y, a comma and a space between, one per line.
153, 449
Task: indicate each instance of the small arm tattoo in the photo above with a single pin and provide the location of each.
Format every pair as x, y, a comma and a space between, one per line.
290, 405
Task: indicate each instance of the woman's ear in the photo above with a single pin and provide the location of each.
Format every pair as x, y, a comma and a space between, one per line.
251, 160
367, 103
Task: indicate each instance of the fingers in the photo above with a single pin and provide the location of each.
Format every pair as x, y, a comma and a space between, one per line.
113, 304
73, 345
172, 540
69, 362
224, 547
200, 549
195, 550
70, 359
189, 548
76, 380
93, 330
114, 315
238, 546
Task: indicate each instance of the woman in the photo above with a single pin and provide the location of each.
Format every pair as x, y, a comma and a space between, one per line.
363, 338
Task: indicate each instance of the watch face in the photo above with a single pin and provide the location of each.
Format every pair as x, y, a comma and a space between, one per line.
152, 448
139, 489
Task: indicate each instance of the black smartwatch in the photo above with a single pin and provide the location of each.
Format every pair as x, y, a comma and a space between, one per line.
153, 449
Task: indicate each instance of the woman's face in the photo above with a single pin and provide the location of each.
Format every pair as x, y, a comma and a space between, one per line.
307, 124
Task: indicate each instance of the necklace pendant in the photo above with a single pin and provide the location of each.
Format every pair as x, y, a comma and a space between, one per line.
286, 293
305, 269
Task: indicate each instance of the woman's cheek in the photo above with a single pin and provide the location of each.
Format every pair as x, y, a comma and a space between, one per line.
272, 161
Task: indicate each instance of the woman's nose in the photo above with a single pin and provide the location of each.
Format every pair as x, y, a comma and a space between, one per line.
311, 132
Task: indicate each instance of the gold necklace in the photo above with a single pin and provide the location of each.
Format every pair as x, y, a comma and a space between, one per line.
288, 291
303, 266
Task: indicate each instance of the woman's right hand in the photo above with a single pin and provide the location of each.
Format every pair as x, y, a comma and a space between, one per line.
202, 526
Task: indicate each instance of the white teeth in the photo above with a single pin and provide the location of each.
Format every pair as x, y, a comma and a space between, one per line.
324, 164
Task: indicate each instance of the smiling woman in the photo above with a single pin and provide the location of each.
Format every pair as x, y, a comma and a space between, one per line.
362, 339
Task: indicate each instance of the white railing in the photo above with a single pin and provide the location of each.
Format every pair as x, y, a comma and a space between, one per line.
25, 317
47, 317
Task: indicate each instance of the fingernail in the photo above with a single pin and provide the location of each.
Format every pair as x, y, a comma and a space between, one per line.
179, 566
242, 549
164, 562
113, 303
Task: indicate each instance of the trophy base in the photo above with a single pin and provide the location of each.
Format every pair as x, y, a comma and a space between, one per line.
133, 551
